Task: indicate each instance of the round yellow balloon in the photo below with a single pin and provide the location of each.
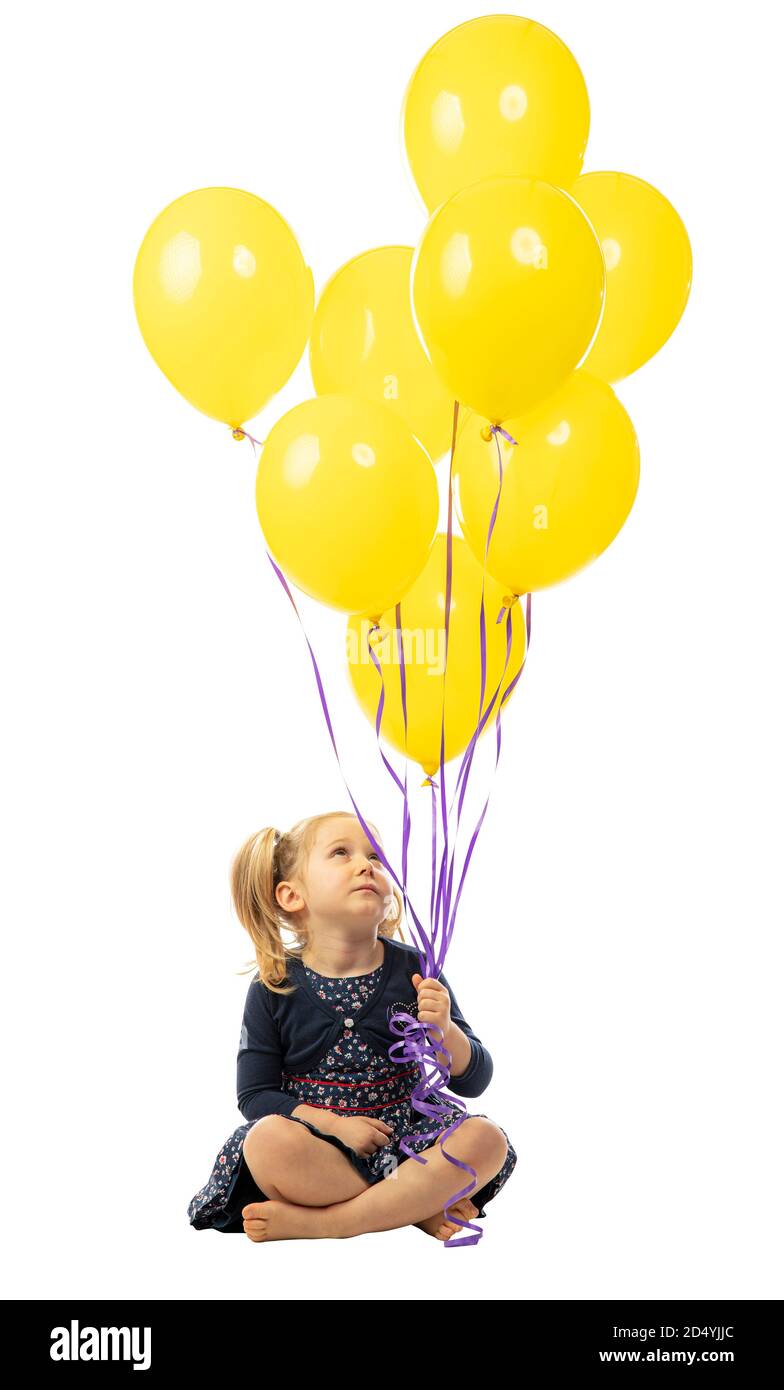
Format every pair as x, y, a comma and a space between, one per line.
507, 285
434, 674
364, 342
567, 488
347, 499
648, 260
497, 95
224, 300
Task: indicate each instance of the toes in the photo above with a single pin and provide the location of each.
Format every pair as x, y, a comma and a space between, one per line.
253, 1234
464, 1208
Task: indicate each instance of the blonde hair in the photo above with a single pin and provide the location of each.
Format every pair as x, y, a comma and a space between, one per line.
264, 861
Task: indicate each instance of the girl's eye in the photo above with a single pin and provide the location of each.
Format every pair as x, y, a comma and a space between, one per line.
341, 850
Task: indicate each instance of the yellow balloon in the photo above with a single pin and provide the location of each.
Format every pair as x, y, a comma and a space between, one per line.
224, 300
568, 484
427, 658
649, 263
347, 499
507, 285
497, 95
364, 342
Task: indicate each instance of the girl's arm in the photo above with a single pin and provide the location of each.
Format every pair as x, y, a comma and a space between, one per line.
259, 1062
477, 1074
458, 1047
260, 1065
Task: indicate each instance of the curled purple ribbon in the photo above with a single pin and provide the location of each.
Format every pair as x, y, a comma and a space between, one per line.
416, 1046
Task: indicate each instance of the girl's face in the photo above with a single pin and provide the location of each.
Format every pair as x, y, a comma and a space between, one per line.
345, 877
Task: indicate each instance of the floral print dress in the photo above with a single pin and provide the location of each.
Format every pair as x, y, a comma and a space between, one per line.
352, 1079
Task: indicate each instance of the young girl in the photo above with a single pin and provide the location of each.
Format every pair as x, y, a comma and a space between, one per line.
325, 1105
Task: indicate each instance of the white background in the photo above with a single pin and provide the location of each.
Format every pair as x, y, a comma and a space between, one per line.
618, 946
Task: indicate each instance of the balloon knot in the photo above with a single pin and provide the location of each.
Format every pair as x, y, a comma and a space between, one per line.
237, 432
488, 431
509, 601
496, 429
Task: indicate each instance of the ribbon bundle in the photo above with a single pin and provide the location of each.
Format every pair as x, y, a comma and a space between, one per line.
416, 1047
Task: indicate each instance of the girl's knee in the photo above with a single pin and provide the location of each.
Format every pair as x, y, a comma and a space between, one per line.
487, 1138
270, 1133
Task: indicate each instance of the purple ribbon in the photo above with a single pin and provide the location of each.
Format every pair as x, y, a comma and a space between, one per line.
419, 1096
416, 1045
239, 433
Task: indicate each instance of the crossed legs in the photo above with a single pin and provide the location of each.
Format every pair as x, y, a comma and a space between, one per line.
302, 1181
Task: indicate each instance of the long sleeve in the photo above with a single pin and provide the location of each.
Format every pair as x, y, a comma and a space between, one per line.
259, 1063
478, 1074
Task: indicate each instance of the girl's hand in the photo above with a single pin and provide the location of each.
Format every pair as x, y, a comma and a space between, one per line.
433, 1004
364, 1136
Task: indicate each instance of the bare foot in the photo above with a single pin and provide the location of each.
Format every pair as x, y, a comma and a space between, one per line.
441, 1228
272, 1220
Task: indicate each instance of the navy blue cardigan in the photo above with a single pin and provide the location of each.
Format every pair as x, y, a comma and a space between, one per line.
290, 1033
